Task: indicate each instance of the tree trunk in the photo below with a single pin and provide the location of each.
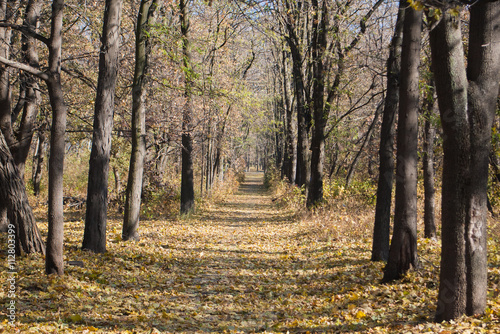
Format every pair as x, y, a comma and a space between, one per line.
367, 138
94, 237
20, 215
403, 249
5, 102
38, 159
483, 73
187, 179
319, 44
288, 157
381, 229
54, 259
451, 87
136, 169
428, 167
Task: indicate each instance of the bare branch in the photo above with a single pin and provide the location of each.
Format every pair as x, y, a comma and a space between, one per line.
25, 30
36, 72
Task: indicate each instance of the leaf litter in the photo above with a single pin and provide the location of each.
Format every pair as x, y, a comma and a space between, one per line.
241, 265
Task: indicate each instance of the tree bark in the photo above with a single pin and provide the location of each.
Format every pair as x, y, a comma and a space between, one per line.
136, 169
94, 237
381, 229
483, 74
187, 178
13, 195
403, 249
428, 167
451, 87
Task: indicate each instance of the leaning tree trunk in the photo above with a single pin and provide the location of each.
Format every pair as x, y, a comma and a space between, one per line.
20, 215
403, 250
483, 73
381, 229
136, 169
187, 178
94, 237
451, 87
31, 90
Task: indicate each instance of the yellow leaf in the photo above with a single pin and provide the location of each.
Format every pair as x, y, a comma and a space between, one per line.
75, 318
417, 5
455, 11
360, 314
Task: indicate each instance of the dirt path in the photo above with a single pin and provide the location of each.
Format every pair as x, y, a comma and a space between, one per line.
237, 263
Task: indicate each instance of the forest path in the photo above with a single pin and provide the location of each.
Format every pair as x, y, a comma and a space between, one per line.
239, 266
241, 263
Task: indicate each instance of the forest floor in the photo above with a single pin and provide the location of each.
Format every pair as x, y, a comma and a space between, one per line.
240, 265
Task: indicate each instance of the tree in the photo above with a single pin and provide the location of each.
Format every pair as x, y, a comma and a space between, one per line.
52, 76
94, 237
403, 249
187, 178
136, 169
292, 21
325, 95
288, 154
483, 74
381, 229
467, 99
428, 163
19, 140
320, 117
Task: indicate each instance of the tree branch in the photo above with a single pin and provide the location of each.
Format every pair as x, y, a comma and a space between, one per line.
25, 30
36, 72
